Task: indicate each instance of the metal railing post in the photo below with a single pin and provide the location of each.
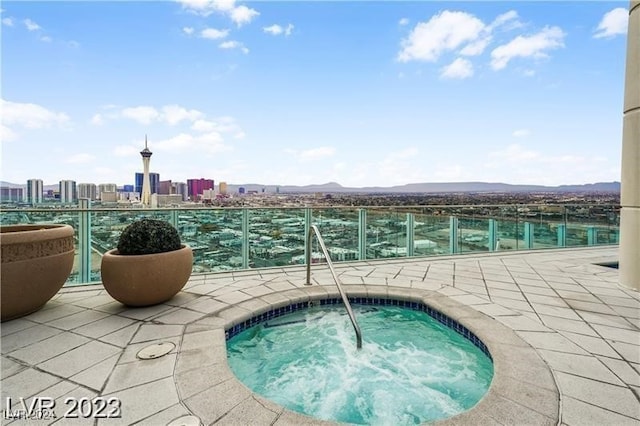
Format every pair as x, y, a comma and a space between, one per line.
592, 236
453, 235
173, 217
528, 235
245, 238
562, 235
362, 234
493, 235
410, 234
308, 218
84, 240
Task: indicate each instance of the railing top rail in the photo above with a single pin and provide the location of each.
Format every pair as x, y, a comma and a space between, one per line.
313, 229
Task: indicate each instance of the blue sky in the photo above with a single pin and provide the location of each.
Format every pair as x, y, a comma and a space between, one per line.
361, 93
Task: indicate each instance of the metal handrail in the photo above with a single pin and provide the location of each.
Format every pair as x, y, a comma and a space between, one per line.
314, 229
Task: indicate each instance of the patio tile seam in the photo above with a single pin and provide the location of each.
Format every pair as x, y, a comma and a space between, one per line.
599, 407
60, 380
591, 323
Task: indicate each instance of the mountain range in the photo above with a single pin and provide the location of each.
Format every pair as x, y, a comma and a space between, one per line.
435, 187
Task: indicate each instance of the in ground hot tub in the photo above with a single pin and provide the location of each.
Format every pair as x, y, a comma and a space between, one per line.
415, 365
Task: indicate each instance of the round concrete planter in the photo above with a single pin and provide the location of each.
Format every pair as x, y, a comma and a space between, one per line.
36, 262
148, 279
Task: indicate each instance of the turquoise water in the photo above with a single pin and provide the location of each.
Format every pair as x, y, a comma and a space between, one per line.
411, 368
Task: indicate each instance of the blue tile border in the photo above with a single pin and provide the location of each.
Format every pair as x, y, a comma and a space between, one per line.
416, 306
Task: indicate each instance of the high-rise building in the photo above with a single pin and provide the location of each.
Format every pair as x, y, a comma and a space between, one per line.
128, 188
241, 190
68, 193
106, 187
145, 194
34, 191
88, 190
197, 186
11, 195
181, 189
223, 188
165, 187
154, 180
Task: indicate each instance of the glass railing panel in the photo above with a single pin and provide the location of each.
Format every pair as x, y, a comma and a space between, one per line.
386, 233
431, 232
510, 227
106, 227
473, 229
215, 236
591, 225
276, 237
339, 230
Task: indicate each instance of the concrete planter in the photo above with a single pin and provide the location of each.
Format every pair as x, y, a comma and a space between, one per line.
36, 262
148, 279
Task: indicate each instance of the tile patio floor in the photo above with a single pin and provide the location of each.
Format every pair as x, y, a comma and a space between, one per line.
84, 344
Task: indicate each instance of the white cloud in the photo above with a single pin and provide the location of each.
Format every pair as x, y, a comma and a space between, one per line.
240, 15
233, 44
6, 134
213, 34
30, 25
521, 133
7, 21
509, 20
46, 39
125, 151
528, 73
206, 7
80, 158
613, 23
209, 143
97, 120
141, 114
534, 46
276, 29
476, 48
203, 126
174, 114
403, 21
30, 116
460, 68
188, 30
445, 31
243, 15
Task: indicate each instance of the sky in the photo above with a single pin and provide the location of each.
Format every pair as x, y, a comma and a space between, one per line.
308, 92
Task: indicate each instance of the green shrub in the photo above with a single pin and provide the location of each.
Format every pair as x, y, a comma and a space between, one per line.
148, 236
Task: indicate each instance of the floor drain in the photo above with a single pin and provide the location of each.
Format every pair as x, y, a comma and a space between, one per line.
156, 351
186, 421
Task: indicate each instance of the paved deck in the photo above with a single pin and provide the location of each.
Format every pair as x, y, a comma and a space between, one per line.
570, 312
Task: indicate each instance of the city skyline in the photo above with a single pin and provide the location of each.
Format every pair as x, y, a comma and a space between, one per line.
298, 93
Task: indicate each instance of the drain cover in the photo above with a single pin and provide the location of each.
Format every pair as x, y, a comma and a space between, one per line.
186, 421
156, 351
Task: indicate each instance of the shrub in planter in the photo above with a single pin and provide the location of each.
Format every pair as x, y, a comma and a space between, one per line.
148, 236
149, 266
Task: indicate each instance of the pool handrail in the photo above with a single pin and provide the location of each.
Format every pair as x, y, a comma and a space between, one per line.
313, 229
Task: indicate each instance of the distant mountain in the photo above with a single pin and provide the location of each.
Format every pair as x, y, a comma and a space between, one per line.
438, 187
443, 187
